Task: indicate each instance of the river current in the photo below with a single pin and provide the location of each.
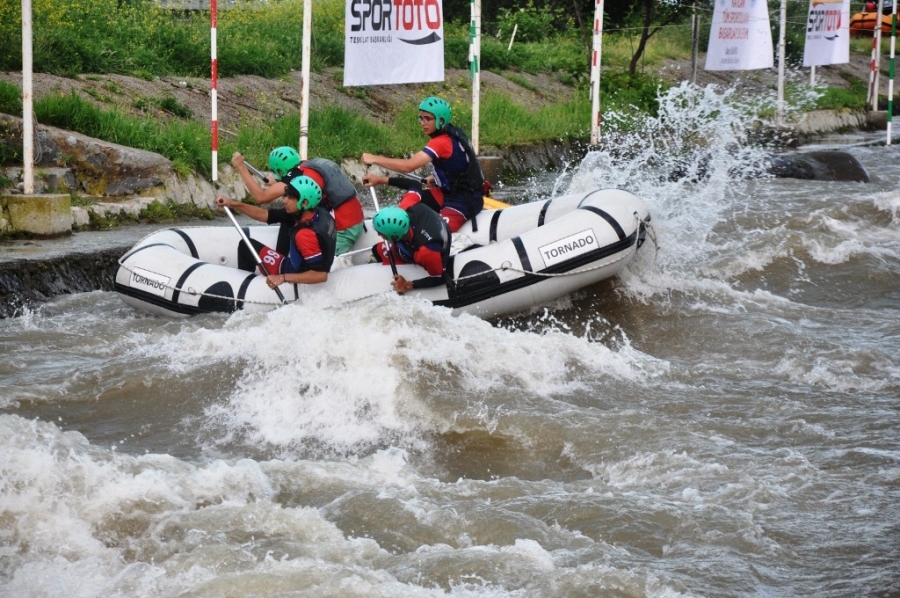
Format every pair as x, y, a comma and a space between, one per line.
723, 419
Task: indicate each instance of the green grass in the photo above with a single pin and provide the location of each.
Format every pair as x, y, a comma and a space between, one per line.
10, 98
835, 98
174, 212
187, 144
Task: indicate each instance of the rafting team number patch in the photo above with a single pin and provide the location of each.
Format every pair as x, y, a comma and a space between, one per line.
150, 282
568, 247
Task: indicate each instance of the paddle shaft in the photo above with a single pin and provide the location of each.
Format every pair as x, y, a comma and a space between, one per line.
253, 169
390, 250
405, 175
495, 204
259, 264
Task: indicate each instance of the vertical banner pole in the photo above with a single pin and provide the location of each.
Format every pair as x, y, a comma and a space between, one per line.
214, 86
878, 56
695, 43
873, 64
475, 70
595, 73
779, 115
872, 97
304, 81
27, 100
890, 105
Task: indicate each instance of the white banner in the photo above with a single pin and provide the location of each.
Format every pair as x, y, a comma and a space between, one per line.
827, 33
740, 38
393, 41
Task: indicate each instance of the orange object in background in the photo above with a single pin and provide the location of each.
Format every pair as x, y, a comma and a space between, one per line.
863, 23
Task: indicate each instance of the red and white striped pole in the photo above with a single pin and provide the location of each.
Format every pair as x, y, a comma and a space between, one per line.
890, 101
213, 91
872, 96
595, 73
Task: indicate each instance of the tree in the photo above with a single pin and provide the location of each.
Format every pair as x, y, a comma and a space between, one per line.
654, 15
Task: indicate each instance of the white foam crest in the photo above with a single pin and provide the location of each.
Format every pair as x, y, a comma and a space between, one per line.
667, 470
78, 516
839, 239
684, 163
836, 254
361, 374
701, 294
836, 373
889, 202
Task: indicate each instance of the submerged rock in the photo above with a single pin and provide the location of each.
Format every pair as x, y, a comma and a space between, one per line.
822, 165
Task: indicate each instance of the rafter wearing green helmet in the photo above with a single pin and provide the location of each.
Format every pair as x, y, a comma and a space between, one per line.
282, 160
438, 108
392, 223
306, 191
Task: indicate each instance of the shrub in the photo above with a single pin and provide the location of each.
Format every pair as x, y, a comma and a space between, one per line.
10, 99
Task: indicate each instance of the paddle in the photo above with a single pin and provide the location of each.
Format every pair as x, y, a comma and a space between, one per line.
489, 202
255, 171
391, 257
259, 264
387, 242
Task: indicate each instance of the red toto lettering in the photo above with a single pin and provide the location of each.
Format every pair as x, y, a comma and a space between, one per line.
410, 14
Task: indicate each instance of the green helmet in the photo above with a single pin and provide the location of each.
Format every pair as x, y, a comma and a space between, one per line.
439, 108
391, 223
282, 159
303, 188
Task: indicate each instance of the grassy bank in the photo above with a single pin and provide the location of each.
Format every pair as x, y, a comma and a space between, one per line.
136, 38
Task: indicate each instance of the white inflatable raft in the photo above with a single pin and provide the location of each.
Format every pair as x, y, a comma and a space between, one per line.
510, 260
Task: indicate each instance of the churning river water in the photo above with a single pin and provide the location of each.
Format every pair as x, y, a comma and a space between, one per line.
723, 419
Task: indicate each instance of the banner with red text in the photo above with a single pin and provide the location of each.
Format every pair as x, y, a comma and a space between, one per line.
393, 41
740, 38
827, 33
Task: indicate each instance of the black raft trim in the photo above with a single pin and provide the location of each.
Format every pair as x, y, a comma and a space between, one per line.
612, 221
242, 292
523, 253
495, 220
144, 296
188, 241
463, 299
143, 247
177, 292
180, 308
184, 236
543, 214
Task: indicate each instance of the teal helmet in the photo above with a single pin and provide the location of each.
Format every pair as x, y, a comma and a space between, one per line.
282, 159
439, 108
303, 188
391, 223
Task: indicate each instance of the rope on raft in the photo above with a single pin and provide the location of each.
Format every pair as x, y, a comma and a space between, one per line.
651, 232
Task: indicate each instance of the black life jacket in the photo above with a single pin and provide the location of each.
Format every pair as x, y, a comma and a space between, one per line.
338, 188
472, 179
428, 227
323, 226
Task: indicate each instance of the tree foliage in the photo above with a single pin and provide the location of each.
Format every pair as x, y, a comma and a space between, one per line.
537, 20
